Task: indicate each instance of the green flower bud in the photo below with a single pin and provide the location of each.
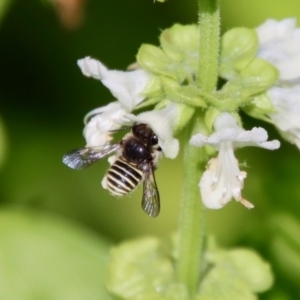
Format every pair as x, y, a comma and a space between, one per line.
180, 42
154, 60
255, 78
238, 48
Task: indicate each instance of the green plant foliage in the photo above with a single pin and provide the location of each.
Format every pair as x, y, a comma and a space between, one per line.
255, 78
238, 48
44, 257
177, 57
144, 269
43, 100
141, 269
238, 273
180, 43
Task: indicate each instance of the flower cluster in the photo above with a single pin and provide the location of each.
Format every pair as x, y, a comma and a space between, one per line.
279, 44
261, 69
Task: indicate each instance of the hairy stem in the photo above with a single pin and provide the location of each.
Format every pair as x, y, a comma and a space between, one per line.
191, 219
191, 224
209, 31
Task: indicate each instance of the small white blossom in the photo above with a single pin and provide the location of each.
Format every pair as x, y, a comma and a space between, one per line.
287, 118
279, 44
100, 122
223, 179
162, 122
126, 87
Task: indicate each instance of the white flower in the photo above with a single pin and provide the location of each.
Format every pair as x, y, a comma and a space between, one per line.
279, 44
286, 100
100, 122
223, 179
162, 122
126, 87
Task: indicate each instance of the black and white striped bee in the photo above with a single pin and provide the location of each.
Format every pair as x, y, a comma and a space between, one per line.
136, 158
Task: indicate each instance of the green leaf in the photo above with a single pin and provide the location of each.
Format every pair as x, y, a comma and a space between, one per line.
235, 274
238, 48
251, 268
44, 257
142, 269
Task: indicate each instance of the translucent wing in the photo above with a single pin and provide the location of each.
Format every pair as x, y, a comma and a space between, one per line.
84, 157
150, 201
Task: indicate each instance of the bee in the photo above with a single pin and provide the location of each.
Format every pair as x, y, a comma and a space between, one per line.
136, 157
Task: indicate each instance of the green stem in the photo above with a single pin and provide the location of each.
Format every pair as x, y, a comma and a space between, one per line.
191, 224
191, 221
209, 30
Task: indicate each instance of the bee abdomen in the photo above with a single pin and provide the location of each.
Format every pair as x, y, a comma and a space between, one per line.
123, 177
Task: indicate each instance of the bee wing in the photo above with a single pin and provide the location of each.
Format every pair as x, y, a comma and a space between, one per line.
84, 157
150, 201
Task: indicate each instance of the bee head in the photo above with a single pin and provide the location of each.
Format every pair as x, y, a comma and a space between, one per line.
145, 133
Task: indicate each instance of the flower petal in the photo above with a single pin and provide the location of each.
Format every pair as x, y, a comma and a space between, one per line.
272, 29
100, 122
126, 87
227, 129
222, 181
287, 118
280, 45
92, 68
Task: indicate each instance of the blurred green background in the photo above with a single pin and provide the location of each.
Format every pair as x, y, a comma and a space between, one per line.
44, 97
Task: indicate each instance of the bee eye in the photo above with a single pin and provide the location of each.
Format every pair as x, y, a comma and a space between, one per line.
154, 140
